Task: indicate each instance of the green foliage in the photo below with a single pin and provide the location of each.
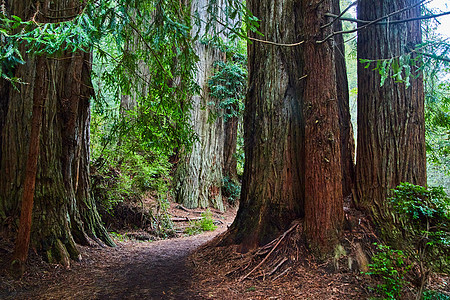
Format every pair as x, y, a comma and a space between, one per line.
229, 82
437, 122
417, 205
162, 221
434, 295
231, 189
228, 85
238, 20
398, 68
205, 224
390, 266
424, 216
118, 236
129, 176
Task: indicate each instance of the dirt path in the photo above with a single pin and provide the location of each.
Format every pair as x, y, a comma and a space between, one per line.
133, 270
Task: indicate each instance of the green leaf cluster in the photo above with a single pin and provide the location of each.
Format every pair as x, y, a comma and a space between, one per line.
205, 224
231, 189
390, 267
424, 216
228, 84
398, 68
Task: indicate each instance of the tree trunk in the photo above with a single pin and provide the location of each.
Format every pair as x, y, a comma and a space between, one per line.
291, 130
229, 149
198, 178
23, 237
323, 183
199, 173
345, 122
391, 131
272, 193
63, 210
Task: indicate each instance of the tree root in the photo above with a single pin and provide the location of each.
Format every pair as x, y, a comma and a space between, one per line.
271, 251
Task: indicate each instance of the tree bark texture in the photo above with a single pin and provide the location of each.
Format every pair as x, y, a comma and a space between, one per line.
291, 130
129, 100
345, 122
63, 210
198, 178
23, 237
391, 131
229, 149
323, 183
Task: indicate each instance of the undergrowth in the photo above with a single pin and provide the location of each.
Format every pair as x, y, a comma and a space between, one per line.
390, 267
124, 172
423, 216
231, 189
205, 224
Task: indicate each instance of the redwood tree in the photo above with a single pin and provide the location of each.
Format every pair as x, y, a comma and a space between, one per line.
63, 211
198, 178
391, 131
345, 122
292, 139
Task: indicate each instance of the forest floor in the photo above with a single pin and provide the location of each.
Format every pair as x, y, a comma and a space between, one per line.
180, 268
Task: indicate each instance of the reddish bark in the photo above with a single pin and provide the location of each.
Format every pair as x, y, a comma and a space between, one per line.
323, 178
292, 139
391, 131
40, 93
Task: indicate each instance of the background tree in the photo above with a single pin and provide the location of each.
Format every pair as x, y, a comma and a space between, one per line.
345, 122
391, 132
198, 178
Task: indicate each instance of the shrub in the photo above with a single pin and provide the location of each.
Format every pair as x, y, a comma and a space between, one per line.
390, 266
434, 295
231, 189
424, 216
205, 224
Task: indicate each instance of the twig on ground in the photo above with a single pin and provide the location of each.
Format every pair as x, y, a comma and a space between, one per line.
282, 273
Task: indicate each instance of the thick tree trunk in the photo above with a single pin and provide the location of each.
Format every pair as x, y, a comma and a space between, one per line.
63, 209
198, 178
391, 131
273, 185
199, 173
345, 122
291, 130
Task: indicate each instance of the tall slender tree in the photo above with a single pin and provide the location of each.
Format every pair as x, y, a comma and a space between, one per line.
391, 131
345, 122
63, 210
291, 130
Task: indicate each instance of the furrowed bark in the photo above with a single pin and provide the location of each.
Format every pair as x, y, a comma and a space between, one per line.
391, 130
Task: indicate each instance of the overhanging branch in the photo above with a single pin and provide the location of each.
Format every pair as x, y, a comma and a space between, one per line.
371, 22
387, 22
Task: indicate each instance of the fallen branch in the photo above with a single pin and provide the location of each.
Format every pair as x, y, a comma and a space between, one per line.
282, 273
271, 251
285, 259
182, 208
186, 219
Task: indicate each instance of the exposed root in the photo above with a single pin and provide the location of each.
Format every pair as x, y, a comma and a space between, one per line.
271, 251
266, 262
